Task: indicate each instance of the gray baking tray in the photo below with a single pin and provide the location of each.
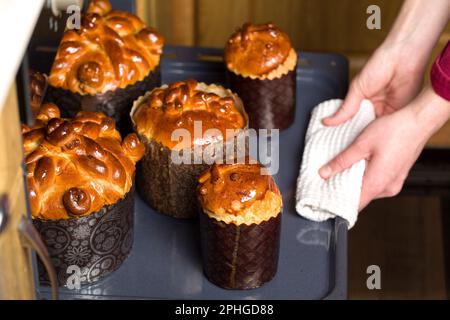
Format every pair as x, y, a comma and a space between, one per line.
165, 261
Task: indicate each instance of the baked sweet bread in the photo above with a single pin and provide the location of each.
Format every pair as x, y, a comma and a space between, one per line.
261, 65
260, 51
106, 64
189, 119
77, 166
179, 105
111, 50
239, 224
79, 176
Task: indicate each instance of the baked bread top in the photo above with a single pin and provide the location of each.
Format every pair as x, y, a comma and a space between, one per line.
239, 194
77, 166
195, 107
112, 49
259, 50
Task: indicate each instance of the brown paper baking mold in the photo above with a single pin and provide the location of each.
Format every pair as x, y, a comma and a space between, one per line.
240, 256
270, 104
115, 103
96, 244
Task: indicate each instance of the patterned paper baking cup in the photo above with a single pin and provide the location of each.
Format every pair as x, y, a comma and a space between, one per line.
115, 103
170, 188
90, 247
240, 256
270, 104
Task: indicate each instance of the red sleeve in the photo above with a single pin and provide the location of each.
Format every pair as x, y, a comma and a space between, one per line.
440, 73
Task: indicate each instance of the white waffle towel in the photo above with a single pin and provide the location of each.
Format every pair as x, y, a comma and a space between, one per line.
318, 199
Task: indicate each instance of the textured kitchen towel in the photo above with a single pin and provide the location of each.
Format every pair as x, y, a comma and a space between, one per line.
318, 199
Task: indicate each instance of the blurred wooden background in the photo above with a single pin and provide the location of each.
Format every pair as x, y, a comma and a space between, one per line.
313, 25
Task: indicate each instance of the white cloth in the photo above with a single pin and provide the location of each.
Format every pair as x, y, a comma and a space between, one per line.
318, 199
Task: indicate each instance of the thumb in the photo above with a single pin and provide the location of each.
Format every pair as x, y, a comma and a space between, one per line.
349, 108
342, 161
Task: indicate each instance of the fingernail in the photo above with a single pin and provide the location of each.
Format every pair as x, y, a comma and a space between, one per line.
325, 172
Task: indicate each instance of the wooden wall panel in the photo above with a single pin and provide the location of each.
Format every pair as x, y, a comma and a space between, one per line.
174, 19
217, 20
323, 25
314, 25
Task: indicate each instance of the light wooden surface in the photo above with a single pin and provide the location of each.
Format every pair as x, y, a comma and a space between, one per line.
16, 279
176, 25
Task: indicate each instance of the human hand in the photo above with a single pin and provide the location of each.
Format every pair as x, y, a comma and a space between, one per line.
390, 145
388, 80
393, 75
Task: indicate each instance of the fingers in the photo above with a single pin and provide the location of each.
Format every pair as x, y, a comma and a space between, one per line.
349, 108
343, 161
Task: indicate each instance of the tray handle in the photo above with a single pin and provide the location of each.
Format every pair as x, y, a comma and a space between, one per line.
33, 240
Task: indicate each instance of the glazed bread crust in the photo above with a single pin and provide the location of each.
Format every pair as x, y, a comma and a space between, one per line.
257, 50
179, 106
239, 194
77, 166
112, 49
